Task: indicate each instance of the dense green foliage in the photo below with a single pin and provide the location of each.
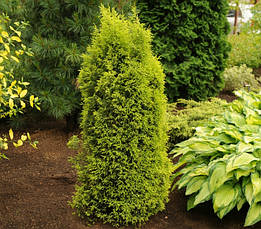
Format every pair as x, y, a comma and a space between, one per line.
223, 160
239, 77
191, 39
185, 115
246, 49
123, 169
58, 35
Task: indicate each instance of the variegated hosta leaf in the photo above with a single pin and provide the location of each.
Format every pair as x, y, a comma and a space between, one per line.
203, 195
195, 184
253, 214
229, 149
218, 176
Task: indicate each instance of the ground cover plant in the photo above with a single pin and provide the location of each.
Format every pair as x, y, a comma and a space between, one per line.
123, 169
191, 39
222, 161
185, 115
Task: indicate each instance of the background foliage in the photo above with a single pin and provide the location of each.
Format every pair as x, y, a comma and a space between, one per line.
246, 49
185, 115
191, 39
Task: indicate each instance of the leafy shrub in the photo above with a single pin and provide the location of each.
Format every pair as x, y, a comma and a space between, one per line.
246, 49
123, 169
12, 93
191, 39
223, 160
238, 77
182, 122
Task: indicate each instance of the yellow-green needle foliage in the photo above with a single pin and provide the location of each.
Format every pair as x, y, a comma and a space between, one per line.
123, 169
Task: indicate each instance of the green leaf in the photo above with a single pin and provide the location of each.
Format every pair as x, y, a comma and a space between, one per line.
243, 159
253, 214
195, 184
184, 180
237, 193
235, 118
240, 203
253, 119
248, 191
223, 197
203, 195
243, 147
239, 173
217, 176
190, 202
234, 134
256, 182
201, 146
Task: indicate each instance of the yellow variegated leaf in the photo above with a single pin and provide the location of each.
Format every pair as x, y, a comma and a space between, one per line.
29, 137
13, 83
11, 103
23, 137
7, 48
11, 134
1, 40
15, 59
5, 34
2, 68
20, 142
22, 104
18, 33
15, 144
23, 93
15, 38
32, 100
11, 27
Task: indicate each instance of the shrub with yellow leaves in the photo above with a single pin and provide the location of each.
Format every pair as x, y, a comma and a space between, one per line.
13, 93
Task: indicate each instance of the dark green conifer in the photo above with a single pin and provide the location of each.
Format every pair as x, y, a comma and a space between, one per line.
123, 169
191, 39
59, 33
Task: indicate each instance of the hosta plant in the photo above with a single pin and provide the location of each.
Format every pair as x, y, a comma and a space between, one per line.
222, 161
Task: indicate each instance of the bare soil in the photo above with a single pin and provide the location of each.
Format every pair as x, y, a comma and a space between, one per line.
36, 185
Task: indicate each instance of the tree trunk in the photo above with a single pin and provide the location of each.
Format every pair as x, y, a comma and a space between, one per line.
236, 17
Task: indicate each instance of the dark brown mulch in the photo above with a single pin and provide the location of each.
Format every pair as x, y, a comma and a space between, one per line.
36, 185
228, 96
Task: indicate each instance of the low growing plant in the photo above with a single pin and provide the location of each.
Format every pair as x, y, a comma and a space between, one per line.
239, 77
185, 115
222, 162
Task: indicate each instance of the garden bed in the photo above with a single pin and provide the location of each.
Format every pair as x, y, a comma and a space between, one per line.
36, 185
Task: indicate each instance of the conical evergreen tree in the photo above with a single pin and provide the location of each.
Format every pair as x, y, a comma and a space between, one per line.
123, 169
191, 39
